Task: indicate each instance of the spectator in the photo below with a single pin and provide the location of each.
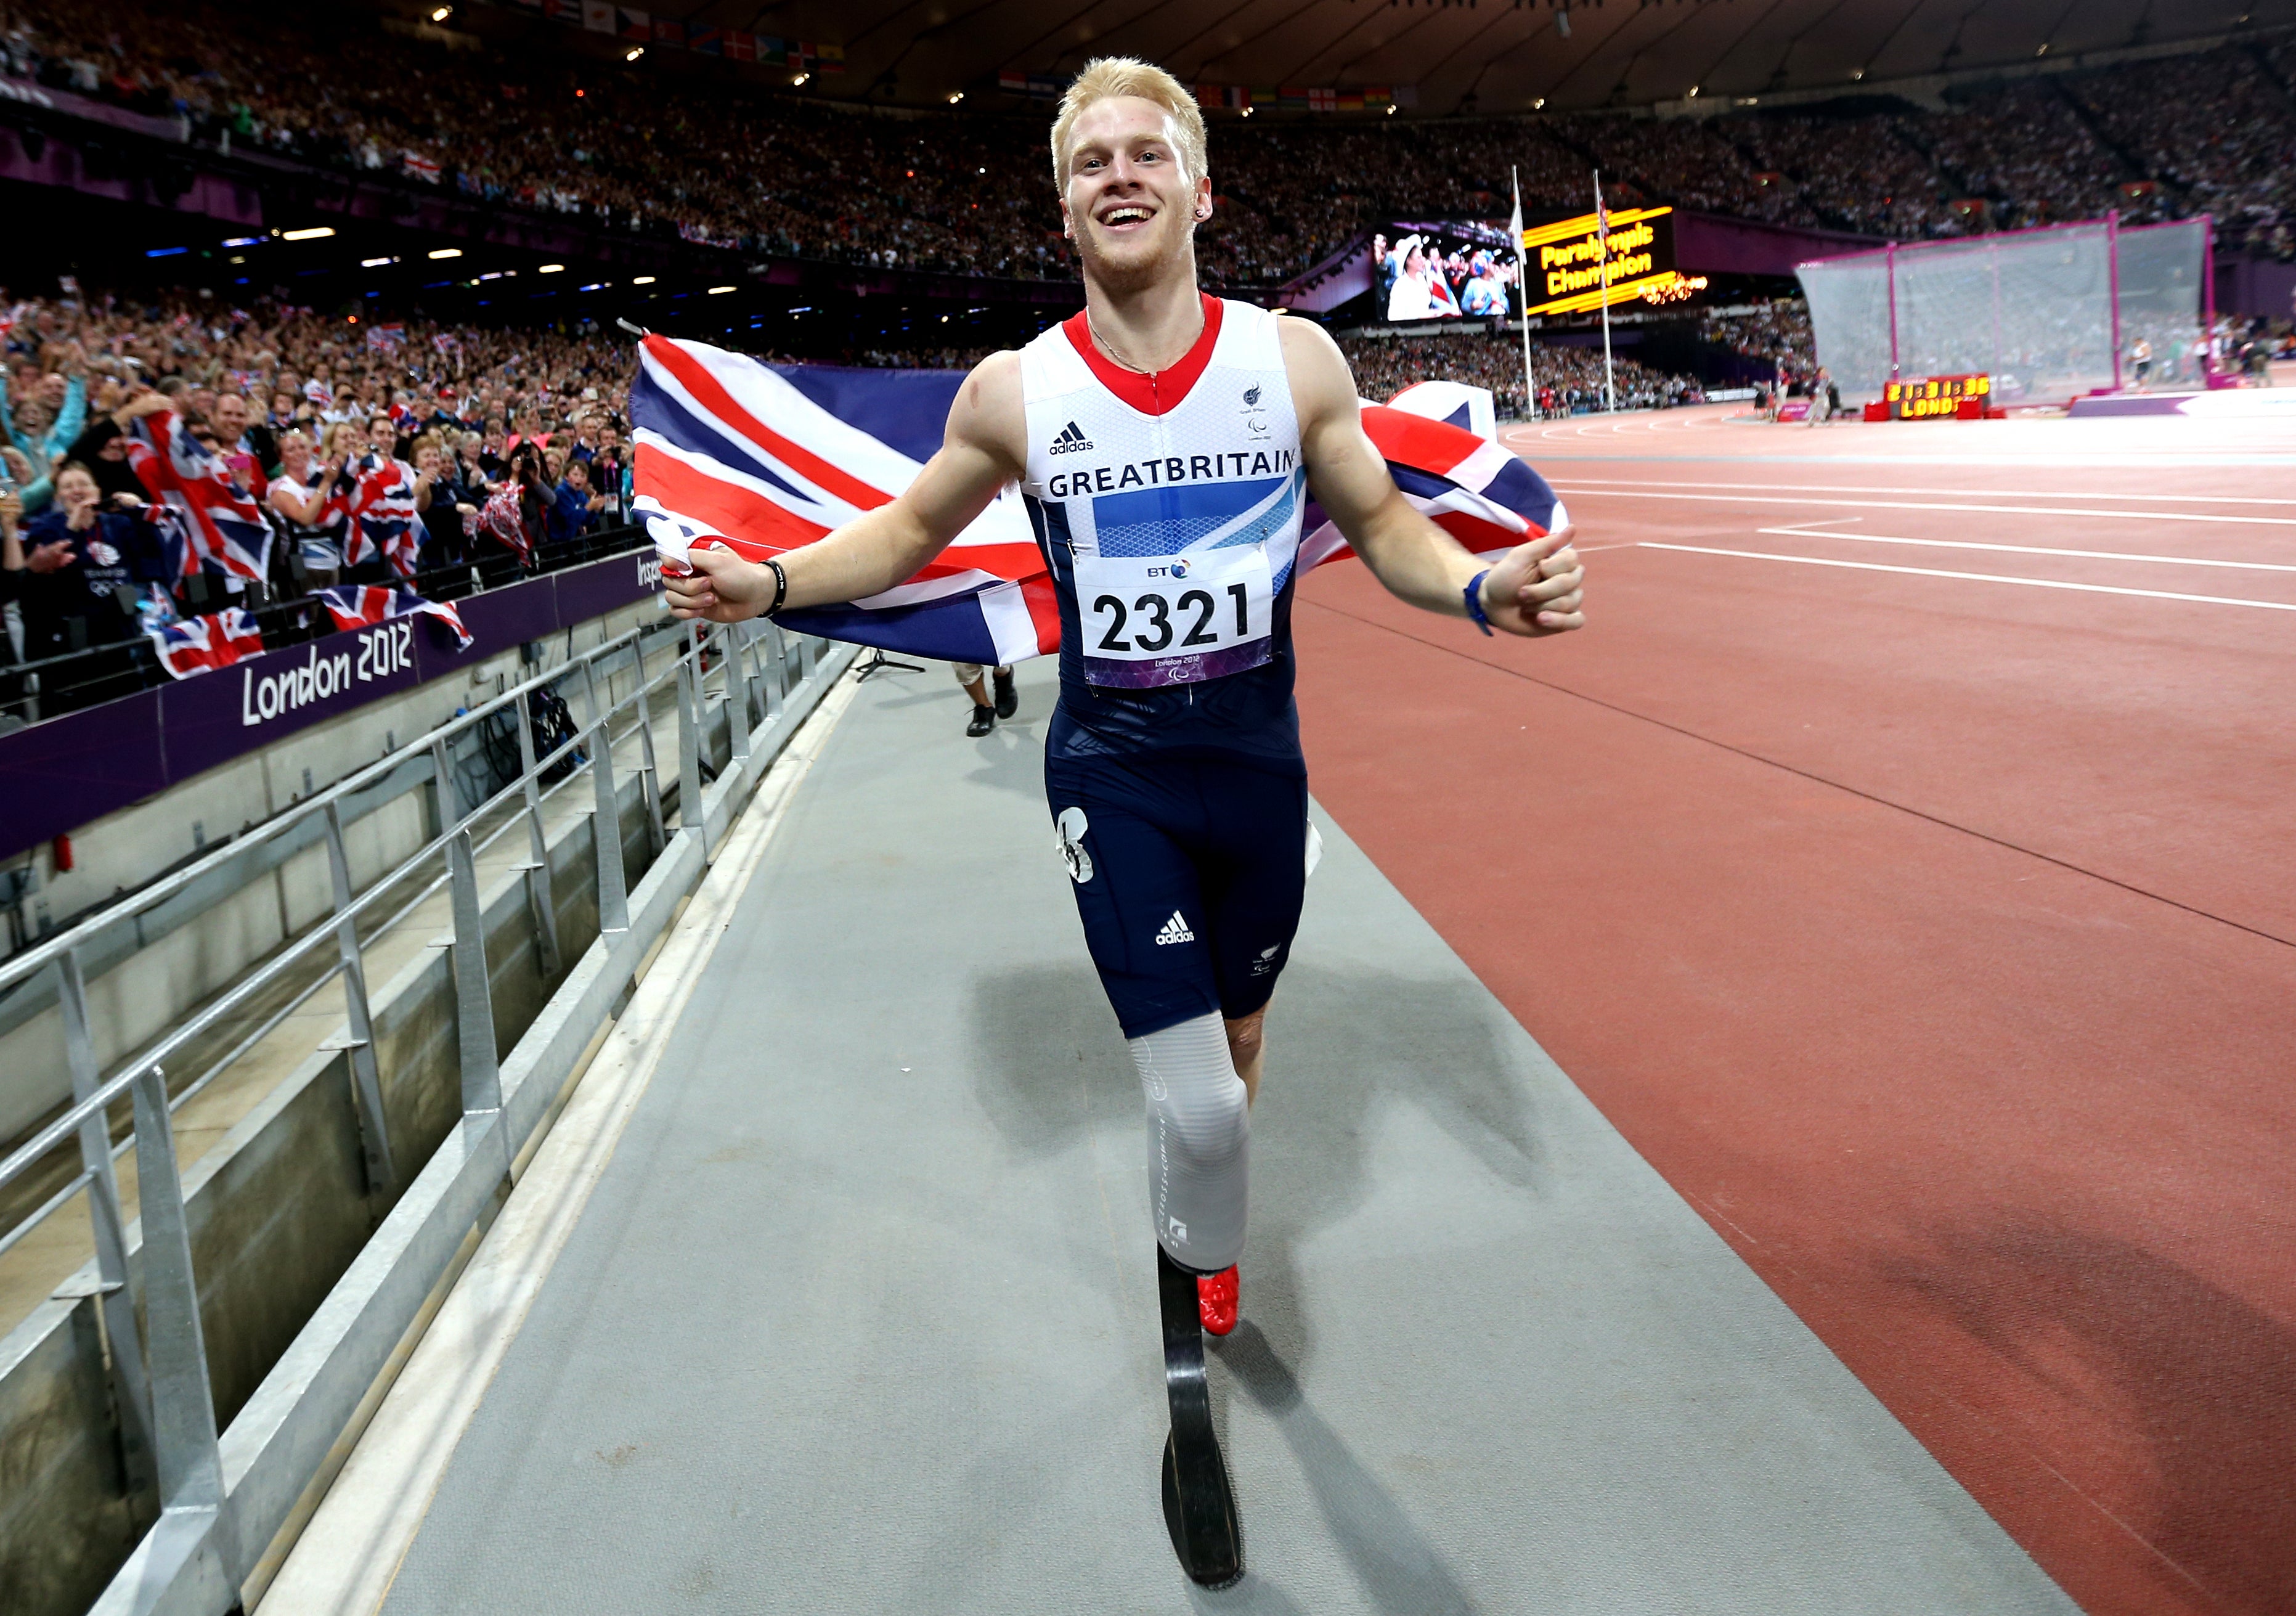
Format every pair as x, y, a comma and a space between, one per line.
74, 569
448, 506
574, 509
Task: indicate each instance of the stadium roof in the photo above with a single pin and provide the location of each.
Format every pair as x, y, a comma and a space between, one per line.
1480, 55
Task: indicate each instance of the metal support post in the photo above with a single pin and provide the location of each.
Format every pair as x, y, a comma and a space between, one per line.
182, 1402
691, 815
474, 1005
805, 655
737, 699
590, 686
537, 867
132, 1389
446, 801
649, 773
778, 683
366, 1080
606, 830
2112, 281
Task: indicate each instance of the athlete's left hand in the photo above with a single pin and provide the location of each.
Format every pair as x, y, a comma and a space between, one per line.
1537, 588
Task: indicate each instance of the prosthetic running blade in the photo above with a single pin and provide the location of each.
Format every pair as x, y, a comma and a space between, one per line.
1199, 1505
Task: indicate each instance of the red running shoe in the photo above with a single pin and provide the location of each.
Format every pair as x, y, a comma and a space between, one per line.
1217, 1296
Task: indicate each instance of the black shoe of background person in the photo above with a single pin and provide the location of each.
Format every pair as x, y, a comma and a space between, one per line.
1008, 699
984, 719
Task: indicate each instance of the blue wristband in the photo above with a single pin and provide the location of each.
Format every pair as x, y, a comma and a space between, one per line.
1475, 600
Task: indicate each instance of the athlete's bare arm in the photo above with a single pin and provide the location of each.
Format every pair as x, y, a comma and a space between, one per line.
984, 447
1534, 589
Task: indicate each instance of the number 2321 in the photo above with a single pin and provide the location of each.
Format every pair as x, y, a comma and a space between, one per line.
1156, 631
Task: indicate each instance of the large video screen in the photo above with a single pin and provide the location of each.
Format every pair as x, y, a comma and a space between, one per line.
1452, 270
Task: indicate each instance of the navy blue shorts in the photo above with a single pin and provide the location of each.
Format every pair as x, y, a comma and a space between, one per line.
1188, 875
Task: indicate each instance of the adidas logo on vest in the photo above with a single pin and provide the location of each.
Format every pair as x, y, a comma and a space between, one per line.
1070, 440
1176, 930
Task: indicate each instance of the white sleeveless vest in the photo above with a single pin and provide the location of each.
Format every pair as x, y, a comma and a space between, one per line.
1180, 526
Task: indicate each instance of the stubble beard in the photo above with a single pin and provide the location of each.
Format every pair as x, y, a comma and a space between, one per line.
1134, 272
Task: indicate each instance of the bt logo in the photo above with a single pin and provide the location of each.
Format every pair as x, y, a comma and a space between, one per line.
1178, 569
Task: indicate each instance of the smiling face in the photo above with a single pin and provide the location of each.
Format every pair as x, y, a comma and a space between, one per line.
76, 488
1127, 200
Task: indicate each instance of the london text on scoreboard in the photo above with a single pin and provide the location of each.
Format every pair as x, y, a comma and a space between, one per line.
1933, 395
1564, 260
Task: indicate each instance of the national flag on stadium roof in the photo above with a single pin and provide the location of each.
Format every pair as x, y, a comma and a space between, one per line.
598, 16
670, 31
634, 26
360, 605
765, 458
741, 44
202, 517
201, 644
705, 41
1323, 101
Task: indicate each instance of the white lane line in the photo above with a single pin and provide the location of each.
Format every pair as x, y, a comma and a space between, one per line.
1805, 530
1814, 488
1909, 504
348, 1556
1977, 578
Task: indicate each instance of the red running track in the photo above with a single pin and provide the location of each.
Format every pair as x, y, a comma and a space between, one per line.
1935, 937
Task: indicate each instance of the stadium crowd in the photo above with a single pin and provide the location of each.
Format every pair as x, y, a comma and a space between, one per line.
146, 445
1569, 377
717, 160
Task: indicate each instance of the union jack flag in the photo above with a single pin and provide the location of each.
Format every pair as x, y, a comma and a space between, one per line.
355, 606
765, 458
383, 519
203, 519
201, 644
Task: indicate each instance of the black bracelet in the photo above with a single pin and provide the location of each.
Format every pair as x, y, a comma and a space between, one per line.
781, 587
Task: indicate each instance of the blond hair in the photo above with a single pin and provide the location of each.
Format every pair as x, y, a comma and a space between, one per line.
1109, 76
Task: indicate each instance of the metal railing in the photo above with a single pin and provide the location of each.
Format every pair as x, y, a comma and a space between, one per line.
47, 687
162, 1381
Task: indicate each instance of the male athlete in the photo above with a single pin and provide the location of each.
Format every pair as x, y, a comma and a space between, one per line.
1166, 443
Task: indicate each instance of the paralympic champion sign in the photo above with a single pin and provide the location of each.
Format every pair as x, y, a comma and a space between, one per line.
1566, 260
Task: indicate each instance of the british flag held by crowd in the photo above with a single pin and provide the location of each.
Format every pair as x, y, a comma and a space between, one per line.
765, 458
383, 517
203, 517
359, 606
201, 644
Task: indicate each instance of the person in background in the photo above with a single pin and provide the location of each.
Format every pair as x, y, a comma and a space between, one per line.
610, 473
574, 510
448, 506
301, 496
986, 711
72, 560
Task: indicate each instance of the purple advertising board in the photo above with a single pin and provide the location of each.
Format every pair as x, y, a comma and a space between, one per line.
74, 769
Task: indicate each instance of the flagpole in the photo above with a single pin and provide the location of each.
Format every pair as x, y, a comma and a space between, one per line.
1602, 250
1522, 284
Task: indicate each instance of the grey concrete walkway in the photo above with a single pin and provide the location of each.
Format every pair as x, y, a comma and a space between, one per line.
862, 1317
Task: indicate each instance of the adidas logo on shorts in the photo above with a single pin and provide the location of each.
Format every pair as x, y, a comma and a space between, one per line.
1176, 930
1071, 440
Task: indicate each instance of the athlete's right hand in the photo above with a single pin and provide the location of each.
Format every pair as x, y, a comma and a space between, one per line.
720, 587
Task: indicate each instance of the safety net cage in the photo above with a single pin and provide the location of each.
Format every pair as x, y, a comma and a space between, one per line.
1849, 317
2160, 299
2034, 309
